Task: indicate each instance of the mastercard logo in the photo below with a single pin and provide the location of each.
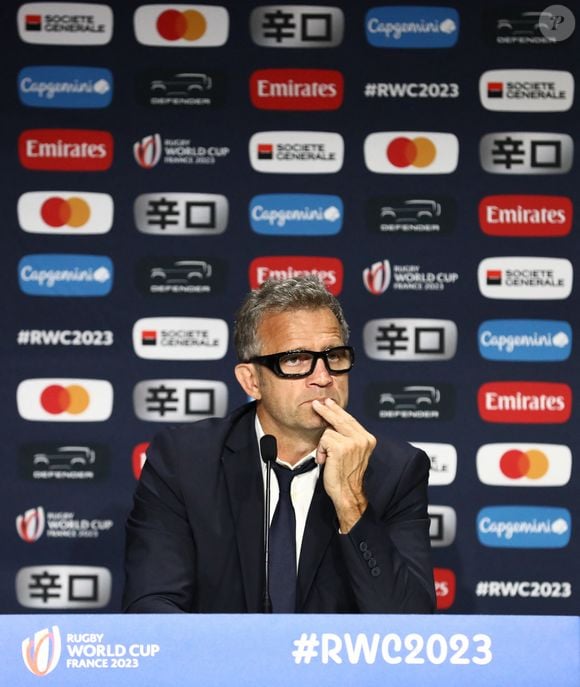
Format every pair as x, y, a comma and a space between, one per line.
406, 152
59, 211
411, 152
183, 26
73, 399
70, 212
532, 464
190, 25
65, 400
524, 465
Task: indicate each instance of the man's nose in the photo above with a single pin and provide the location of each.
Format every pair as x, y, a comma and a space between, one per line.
320, 375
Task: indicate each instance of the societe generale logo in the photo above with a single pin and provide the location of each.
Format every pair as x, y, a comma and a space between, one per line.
65, 400
65, 23
30, 525
296, 152
411, 152
180, 338
181, 26
297, 89
65, 212
525, 215
66, 150
41, 652
525, 402
330, 271
524, 465
525, 278
445, 587
526, 90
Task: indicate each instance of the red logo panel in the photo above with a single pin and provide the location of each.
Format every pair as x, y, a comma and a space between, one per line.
445, 586
297, 89
66, 150
525, 402
525, 215
138, 458
329, 270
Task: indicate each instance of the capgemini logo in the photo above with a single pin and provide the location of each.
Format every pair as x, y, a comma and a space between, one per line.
377, 277
41, 653
30, 526
147, 151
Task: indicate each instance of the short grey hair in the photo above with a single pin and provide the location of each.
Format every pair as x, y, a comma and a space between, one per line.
296, 293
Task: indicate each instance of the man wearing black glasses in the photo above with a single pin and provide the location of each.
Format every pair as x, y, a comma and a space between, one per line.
349, 531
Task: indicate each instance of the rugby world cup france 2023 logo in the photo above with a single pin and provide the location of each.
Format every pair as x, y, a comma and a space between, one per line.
41, 652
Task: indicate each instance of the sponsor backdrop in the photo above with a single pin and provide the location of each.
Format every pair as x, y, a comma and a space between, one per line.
159, 160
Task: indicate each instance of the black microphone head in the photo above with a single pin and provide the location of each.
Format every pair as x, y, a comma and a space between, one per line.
268, 448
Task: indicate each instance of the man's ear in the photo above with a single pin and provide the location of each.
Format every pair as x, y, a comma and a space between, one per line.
248, 379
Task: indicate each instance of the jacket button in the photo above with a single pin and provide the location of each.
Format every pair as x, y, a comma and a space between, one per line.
363, 546
367, 554
376, 571
372, 562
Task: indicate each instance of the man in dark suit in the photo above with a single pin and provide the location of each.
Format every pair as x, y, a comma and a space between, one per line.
359, 539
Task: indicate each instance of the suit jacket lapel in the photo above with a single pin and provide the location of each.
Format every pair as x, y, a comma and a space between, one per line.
321, 524
241, 461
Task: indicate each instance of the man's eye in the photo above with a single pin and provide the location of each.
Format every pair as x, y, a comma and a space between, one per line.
295, 359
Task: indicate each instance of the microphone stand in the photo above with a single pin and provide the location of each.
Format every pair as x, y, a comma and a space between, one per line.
268, 451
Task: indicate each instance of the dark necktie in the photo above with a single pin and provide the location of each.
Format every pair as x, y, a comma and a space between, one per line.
283, 542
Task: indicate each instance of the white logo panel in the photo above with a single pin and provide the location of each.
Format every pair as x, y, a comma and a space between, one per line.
65, 23
65, 212
524, 465
180, 338
296, 152
411, 152
525, 278
443, 458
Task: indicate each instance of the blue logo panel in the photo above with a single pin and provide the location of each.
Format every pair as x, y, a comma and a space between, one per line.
525, 340
296, 214
65, 87
524, 527
65, 275
414, 26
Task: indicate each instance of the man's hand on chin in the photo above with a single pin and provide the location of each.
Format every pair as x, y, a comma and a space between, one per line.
345, 448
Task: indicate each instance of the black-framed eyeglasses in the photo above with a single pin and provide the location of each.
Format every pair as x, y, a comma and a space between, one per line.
299, 363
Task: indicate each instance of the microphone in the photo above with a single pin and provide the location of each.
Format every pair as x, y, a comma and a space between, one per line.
269, 452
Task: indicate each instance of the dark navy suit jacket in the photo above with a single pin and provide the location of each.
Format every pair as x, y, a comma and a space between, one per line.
195, 539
